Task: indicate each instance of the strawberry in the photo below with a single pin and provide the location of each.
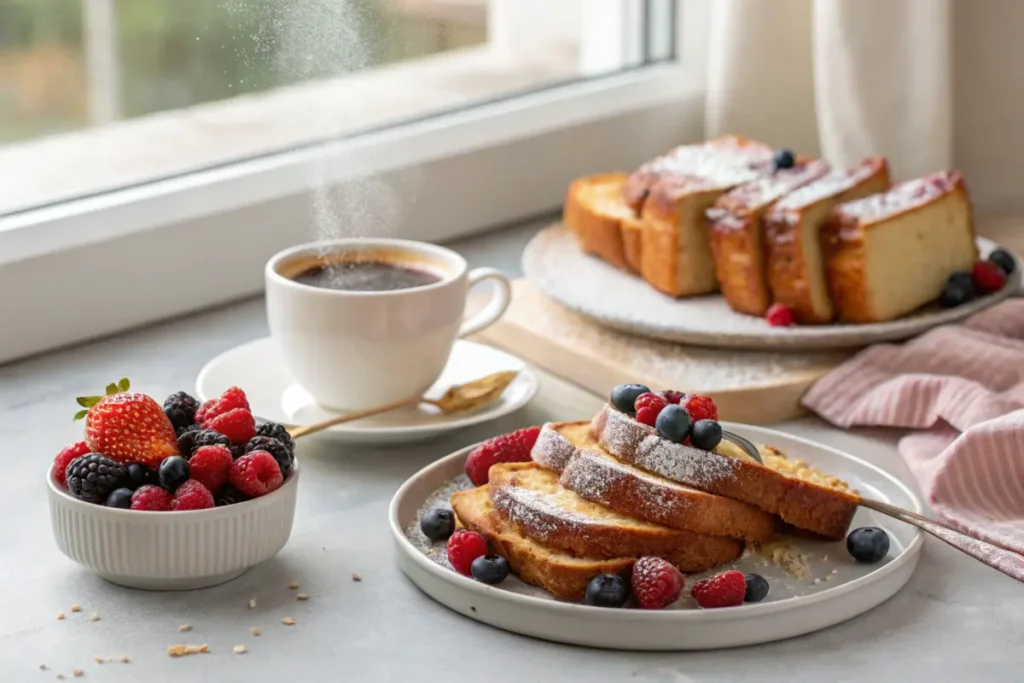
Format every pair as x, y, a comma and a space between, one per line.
722, 590
514, 447
127, 427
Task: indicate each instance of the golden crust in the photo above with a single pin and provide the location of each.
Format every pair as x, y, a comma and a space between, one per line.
737, 241
632, 243
594, 209
846, 231
806, 505
794, 276
586, 529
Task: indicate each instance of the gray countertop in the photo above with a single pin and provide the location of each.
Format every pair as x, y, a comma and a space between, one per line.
956, 619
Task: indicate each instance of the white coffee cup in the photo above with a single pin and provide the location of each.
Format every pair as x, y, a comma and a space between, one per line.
353, 349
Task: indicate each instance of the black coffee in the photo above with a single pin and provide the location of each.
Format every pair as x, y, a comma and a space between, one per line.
366, 276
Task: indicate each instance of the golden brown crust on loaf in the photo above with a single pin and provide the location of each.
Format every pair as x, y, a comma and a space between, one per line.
632, 243
737, 242
793, 226
805, 505
559, 573
593, 211
846, 232
596, 475
541, 509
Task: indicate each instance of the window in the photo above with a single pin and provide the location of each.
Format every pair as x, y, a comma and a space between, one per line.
128, 127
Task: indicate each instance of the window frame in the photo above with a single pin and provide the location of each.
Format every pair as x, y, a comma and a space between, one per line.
629, 115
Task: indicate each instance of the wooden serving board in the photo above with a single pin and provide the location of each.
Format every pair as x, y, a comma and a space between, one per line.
756, 387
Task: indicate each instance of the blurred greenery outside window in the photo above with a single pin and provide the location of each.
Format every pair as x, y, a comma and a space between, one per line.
170, 54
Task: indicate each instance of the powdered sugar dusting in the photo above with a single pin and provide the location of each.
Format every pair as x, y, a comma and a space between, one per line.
552, 450
619, 434
441, 498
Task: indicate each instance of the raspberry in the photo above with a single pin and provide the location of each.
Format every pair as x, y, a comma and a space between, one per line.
464, 547
723, 590
151, 497
514, 447
209, 466
64, 458
255, 474
656, 583
231, 399
672, 396
647, 407
205, 408
282, 453
700, 407
180, 409
192, 495
236, 424
987, 277
779, 316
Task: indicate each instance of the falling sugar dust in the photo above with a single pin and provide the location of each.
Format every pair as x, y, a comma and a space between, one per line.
319, 44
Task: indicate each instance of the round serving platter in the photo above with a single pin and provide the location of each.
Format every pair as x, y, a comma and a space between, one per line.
623, 301
833, 589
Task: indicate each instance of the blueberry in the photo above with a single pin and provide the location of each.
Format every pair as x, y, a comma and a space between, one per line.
674, 423
868, 544
959, 290
624, 396
1003, 259
607, 590
706, 435
173, 472
438, 524
140, 475
120, 498
757, 588
489, 569
784, 158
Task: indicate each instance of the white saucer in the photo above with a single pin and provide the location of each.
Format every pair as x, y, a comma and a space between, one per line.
617, 299
257, 367
836, 589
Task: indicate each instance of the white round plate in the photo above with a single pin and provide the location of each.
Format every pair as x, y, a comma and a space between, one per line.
620, 300
273, 395
836, 589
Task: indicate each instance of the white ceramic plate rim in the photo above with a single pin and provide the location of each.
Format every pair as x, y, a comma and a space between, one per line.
94, 508
674, 616
807, 338
526, 379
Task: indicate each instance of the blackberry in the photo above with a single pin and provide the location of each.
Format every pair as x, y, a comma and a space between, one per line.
187, 440
180, 409
229, 495
190, 441
282, 454
93, 477
276, 431
237, 450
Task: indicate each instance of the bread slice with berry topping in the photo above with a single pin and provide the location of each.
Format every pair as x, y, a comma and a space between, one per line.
558, 572
888, 254
540, 508
736, 228
570, 449
812, 503
793, 237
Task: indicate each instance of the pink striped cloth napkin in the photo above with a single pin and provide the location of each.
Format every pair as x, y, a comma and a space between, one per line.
962, 388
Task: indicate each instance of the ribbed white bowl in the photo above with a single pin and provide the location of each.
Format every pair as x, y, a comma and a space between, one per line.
172, 550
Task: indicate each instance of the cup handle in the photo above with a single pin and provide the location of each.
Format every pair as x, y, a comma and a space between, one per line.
494, 308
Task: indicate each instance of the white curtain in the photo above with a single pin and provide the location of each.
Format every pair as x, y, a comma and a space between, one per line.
838, 78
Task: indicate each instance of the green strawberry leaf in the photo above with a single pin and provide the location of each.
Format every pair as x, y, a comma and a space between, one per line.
88, 401
124, 384
80, 414
111, 389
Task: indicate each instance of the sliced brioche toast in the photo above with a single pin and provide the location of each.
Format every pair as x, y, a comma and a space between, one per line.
541, 509
801, 502
560, 573
736, 224
594, 209
891, 253
570, 449
793, 237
